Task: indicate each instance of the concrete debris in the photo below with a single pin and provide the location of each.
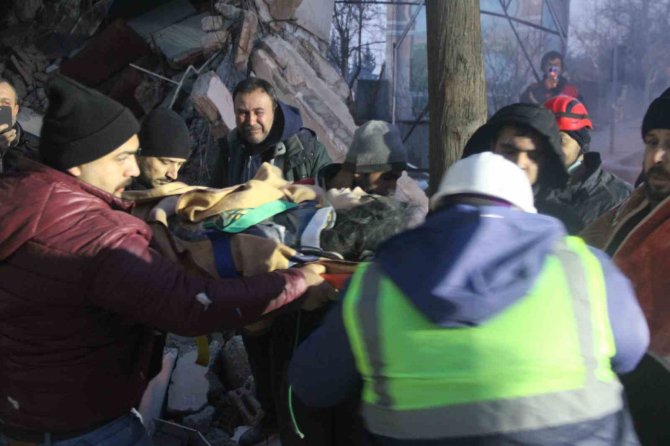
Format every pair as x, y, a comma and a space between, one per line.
189, 385
316, 16
283, 9
212, 23
228, 11
213, 100
154, 396
181, 43
246, 40
214, 41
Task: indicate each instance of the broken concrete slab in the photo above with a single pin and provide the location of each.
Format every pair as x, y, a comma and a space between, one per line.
181, 43
214, 41
283, 9
246, 40
213, 100
154, 396
213, 23
316, 16
161, 17
188, 386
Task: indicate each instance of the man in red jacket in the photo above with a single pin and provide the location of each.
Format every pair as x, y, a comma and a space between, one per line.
81, 291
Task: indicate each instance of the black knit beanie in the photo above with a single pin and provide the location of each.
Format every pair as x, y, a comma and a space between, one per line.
81, 125
582, 136
658, 114
164, 134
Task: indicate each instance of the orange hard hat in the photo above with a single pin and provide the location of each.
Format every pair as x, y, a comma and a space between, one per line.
570, 113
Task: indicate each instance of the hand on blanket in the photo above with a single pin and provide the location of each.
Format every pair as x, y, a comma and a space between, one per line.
319, 292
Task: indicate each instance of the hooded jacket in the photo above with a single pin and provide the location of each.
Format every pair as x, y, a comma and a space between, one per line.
81, 293
441, 269
590, 192
289, 145
552, 174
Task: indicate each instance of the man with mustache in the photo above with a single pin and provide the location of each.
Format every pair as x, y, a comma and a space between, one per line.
268, 130
165, 146
82, 290
637, 232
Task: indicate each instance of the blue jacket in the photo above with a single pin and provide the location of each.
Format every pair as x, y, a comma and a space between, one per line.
500, 253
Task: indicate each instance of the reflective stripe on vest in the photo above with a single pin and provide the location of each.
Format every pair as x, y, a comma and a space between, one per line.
542, 362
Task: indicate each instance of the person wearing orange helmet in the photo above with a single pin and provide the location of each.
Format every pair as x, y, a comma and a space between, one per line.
591, 191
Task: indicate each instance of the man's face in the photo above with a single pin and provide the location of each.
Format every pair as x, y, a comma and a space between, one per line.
570, 148
8, 98
254, 115
157, 171
554, 63
524, 151
114, 171
657, 164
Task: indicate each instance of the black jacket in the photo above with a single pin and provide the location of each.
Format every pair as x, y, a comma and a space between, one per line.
590, 192
289, 145
23, 146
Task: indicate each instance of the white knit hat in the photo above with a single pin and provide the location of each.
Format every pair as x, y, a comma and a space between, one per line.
490, 175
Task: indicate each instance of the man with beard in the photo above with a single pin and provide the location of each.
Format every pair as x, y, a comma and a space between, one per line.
637, 233
268, 130
164, 148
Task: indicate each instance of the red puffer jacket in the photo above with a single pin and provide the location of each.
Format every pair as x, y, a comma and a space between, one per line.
80, 294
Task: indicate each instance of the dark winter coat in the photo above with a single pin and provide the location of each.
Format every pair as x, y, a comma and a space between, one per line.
81, 294
23, 146
591, 191
293, 148
485, 288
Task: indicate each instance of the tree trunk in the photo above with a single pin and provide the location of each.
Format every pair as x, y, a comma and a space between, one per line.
456, 85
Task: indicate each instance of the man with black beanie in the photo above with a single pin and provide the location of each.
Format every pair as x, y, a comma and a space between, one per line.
165, 147
82, 290
637, 236
591, 191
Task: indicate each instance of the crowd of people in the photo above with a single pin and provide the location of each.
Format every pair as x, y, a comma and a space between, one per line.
501, 311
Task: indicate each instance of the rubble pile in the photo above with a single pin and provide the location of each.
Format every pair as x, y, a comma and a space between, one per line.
186, 55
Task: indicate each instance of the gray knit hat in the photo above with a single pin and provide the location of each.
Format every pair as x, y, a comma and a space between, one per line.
377, 147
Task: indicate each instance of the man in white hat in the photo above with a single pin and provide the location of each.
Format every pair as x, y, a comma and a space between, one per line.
486, 325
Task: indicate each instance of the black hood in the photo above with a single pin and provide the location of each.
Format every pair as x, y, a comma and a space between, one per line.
553, 174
